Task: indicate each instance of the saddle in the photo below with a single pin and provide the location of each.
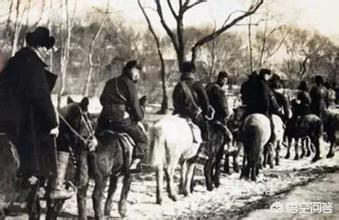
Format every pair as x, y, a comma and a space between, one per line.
127, 143
196, 133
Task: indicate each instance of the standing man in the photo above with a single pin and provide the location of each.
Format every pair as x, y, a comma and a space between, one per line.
122, 111
319, 98
218, 101
28, 84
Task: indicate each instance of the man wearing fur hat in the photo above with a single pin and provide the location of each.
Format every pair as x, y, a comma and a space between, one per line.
27, 80
122, 110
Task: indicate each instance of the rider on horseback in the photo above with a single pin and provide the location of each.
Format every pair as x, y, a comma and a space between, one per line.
319, 98
218, 100
122, 111
190, 100
258, 98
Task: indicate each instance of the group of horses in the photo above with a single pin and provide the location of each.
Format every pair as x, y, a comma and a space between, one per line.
171, 141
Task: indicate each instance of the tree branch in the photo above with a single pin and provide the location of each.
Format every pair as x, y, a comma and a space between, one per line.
165, 26
171, 8
253, 8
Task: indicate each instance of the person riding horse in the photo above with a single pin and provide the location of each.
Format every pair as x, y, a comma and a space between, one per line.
29, 83
218, 100
258, 98
122, 111
190, 100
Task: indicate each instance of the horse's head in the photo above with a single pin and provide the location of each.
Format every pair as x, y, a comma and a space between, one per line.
75, 122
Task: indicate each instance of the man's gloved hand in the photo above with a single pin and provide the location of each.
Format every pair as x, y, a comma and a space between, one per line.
54, 132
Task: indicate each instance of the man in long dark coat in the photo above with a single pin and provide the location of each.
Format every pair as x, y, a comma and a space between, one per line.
26, 80
122, 111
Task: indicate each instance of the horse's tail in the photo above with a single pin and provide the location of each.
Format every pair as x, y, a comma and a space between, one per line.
252, 142
157, 146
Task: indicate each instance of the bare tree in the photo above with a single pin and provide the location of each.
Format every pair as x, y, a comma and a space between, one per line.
8, 22
177, 35
91, 49
66, 47
164, 104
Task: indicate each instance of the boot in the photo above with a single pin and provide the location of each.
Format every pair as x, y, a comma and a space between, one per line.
202, 154
58, 190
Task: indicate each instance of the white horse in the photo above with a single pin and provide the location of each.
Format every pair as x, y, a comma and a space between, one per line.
171, 144
255, 135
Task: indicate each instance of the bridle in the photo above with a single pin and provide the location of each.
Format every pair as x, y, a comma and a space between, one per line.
84, 120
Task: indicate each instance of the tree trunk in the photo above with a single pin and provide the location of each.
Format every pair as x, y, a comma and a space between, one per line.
250, 43
17, 27
90, 54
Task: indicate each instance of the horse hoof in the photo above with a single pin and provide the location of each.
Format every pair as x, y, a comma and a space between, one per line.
159, 201
296, 158
122, 210
308, 153
173, 197
209, 188
185, 193
217, 184
315, 159
330, 155
287, 156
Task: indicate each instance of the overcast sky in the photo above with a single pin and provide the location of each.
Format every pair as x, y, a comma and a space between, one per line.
321, 15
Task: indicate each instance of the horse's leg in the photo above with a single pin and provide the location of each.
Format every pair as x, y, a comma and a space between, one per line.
159, 177
296, 157
111, 190
308, 147
33, 202
183, 172
331, 137
83, 180
208, 169
170, 180
265, 155
216, 177
277, 153
242, 173
303, 151
316, 141
269, 154
289, 141
124, 193
189, 178
98, 193
192, 180
254, 172
235, 161
226, 163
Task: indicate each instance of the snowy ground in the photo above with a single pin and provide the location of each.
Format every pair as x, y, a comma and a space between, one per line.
233, 198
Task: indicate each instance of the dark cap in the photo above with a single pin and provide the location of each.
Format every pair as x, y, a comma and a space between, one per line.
222, 74
130, 65
265, 72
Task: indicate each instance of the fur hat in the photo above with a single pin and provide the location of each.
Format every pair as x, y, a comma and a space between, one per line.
40, 37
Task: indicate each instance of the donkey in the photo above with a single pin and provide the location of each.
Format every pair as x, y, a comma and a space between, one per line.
172, 144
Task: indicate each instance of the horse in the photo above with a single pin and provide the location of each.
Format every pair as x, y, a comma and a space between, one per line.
308, 126
331, 127
255, 134
279, 129
215, 147
77, 135
172, 144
